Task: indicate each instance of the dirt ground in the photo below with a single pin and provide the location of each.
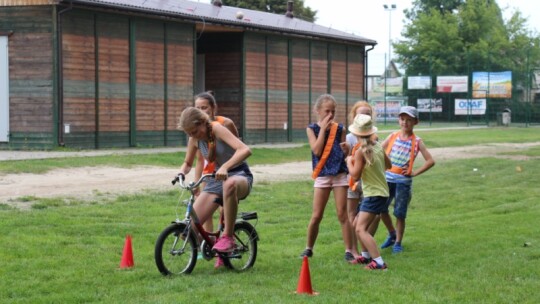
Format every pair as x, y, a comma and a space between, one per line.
96, 182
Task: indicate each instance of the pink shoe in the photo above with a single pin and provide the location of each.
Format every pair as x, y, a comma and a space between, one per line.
224, 244
219, 263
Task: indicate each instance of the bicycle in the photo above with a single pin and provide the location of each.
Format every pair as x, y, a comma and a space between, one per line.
178, 245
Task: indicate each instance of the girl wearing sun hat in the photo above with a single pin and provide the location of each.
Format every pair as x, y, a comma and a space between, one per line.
369, 162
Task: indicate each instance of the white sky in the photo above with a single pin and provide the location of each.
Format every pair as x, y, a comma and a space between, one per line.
369, 19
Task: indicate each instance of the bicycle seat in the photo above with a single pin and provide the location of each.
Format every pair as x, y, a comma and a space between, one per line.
246, 216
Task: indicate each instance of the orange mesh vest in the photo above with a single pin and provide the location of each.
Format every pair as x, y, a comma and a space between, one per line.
399, 170
352, 183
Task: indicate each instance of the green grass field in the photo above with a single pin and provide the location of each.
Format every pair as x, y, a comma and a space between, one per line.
464, 243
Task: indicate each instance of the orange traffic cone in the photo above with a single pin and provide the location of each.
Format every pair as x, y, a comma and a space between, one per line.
127, 255
304, 283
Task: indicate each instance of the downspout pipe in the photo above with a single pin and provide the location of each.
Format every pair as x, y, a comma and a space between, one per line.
366, 73
60, 73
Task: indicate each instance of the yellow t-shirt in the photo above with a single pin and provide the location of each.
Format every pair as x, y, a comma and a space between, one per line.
373, 177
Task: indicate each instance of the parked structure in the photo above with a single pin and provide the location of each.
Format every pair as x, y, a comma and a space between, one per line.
117, 73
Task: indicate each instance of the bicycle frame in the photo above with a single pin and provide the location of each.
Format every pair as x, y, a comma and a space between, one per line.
191, 218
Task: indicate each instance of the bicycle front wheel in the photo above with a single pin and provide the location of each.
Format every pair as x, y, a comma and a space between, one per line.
176, 250
245, 251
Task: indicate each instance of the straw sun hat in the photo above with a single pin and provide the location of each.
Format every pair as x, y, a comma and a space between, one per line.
362, 126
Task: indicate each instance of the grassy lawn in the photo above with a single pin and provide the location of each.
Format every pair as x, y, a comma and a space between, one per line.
432, 137
465, 243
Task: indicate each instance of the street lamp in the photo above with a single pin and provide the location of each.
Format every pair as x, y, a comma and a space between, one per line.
389, 9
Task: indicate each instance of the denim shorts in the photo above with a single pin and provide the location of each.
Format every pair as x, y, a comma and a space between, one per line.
401, 194
374, 204
331, 181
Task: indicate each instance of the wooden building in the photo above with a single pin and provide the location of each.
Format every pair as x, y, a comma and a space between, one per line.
118, 73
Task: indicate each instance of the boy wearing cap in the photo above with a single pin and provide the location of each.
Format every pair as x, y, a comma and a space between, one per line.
402, 147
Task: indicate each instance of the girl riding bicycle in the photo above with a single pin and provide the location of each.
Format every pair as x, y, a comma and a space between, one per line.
206, 102
233, 179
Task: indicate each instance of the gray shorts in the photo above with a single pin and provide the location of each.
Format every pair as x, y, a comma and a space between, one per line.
357, 194
216, 187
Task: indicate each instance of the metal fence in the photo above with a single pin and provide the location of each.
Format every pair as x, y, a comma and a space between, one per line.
481, 92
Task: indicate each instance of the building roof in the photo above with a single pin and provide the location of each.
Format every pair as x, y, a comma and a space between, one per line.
227, 15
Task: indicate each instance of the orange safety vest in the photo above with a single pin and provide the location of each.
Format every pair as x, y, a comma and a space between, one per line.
220, 119
326, 151
396, 169
353, 183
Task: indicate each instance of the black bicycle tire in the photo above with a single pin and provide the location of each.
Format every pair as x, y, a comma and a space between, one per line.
165, 267
252, 240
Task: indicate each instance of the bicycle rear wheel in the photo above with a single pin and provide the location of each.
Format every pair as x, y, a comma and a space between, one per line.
176, 250
245, 251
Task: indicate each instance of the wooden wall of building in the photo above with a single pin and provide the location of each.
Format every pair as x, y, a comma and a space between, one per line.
223, 72
284, 77
126, 79
31, 82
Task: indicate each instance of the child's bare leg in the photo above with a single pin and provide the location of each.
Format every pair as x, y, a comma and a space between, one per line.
340, 197
363, 221
400, 229
209, 224
320, 199
374, 225
387, 220
204, 206
234, 187
352, 210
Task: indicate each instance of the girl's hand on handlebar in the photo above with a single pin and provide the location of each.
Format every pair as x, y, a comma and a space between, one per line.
221, 174
178, 177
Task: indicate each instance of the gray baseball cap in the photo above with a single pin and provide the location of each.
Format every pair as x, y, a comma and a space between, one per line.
411, 111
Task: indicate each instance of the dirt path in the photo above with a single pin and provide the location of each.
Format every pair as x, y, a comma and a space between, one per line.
95, 182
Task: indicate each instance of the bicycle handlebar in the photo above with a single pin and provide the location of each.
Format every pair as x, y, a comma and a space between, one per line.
181, 179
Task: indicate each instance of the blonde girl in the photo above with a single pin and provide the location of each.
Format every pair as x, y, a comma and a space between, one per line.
206, 102
370, 163
354, 193
233, 179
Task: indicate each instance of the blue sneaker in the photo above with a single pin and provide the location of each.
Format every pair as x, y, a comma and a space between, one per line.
390, 240
397, 248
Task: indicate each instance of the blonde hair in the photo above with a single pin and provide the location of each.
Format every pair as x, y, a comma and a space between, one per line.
358, 105
192, 117
324, 98
366, 146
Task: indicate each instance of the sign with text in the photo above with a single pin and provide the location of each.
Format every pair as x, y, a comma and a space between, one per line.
419, 82
452, 84
470, 107
392, 109
492, 84
394, 86
429, 105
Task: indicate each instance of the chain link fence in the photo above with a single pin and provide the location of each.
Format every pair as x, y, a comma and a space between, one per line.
480, 93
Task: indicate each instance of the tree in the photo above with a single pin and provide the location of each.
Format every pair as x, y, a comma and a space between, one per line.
276, 7
454, 37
